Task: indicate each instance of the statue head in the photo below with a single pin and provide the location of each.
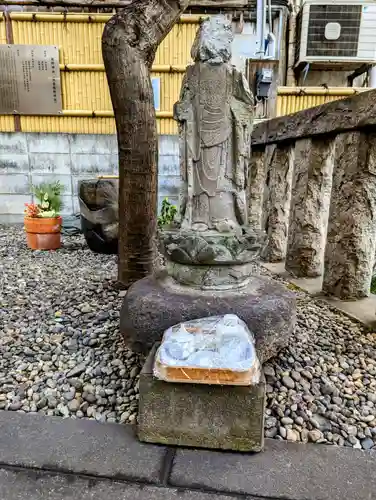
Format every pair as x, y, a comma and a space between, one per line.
213, 41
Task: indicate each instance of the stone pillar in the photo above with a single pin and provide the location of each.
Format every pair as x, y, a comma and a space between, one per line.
312, 183
256, 182
351, 238
280, 159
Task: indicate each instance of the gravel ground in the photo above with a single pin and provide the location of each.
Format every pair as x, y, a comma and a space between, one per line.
61, 351
62, 354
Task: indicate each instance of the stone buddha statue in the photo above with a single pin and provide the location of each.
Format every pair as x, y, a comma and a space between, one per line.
215, 114
211, 246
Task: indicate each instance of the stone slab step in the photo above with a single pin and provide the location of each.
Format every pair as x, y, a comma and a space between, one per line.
56, 447
77, 446
29, 485
284, 471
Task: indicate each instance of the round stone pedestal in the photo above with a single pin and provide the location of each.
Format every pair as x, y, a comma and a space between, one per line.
155, 303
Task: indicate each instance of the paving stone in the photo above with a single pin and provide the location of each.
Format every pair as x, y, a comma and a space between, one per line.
284, 470
33, 485
79, 446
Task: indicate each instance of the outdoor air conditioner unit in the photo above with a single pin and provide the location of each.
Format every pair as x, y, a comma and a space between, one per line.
336, 33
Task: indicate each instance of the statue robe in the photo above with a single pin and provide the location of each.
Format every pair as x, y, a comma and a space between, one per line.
215, 115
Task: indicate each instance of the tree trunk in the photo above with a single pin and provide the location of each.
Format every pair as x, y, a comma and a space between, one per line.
129, 43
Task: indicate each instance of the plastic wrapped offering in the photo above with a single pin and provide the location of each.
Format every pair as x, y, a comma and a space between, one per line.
213, 350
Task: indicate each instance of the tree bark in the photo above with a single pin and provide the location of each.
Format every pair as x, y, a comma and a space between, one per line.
129, 43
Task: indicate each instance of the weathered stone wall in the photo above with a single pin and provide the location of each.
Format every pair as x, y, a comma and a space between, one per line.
351, 242
330, 118
316, 78
27, 159
276, 219
313, 189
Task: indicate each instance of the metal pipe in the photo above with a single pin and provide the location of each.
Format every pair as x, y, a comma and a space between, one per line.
280, 21
259, 28
156, 68
68, 3
372, 77
79, 3
79, 18
272, 46
270, 16
90, 18
334, 91
89, 113
263, 28
271, 37
290, 76
106, 113
102, 113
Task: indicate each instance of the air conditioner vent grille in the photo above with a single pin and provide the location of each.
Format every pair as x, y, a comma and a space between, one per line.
348, 16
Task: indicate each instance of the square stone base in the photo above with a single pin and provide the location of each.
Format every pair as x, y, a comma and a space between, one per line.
202, 416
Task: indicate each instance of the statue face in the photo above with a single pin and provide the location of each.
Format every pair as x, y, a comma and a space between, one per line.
213, 41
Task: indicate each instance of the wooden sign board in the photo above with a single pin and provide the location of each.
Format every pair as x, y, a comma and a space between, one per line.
30, 80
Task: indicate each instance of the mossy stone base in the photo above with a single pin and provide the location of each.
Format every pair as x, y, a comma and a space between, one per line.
157, 302
201, 416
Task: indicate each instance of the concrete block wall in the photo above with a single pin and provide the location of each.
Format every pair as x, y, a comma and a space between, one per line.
28, 158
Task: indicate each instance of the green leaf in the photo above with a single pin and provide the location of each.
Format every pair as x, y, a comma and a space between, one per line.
167, 215
49, 197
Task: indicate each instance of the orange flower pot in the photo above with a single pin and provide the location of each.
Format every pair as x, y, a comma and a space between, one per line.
43, 233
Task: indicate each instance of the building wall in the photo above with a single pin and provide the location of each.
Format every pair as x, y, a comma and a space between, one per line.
331, 78
27, 159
